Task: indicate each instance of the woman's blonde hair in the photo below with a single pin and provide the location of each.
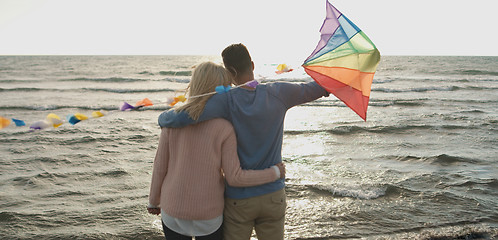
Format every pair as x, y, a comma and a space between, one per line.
205, 78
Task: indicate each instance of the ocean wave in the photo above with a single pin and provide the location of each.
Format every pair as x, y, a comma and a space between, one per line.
55, 107
23, 89
64, 194
84, 140
475, 72
111, 90
186, 73
491, 183
111, 79
475, 111
175, 73
113, 173
324, 104
291, 80
37, 107
398, 129
36, 180
157, 107
177, 80
429, 233
467, 80
49, 160
127, 90
145, 73
377, 102
65, 136
434, 89
434, 79
466, 234
398, 102
469, 100
381, 81
347, 130
442, 159
365, 192
8, 217
18, 81
373, 102
5, 68
45, 178
41, 222
446, 160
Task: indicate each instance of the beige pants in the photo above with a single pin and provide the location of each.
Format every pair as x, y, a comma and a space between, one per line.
266, 214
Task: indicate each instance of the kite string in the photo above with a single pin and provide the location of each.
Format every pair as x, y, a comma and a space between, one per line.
251, 83
218, 89
75, 118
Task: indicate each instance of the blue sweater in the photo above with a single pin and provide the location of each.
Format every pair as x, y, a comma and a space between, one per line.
257, 116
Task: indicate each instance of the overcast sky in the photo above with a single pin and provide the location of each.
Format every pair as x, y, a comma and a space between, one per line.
276, 29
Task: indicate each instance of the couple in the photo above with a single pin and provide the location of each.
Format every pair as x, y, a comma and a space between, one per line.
187, 183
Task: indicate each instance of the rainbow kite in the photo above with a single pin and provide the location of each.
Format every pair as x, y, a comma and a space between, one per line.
344, 62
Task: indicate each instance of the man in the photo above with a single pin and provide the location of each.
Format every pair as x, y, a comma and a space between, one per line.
257, 115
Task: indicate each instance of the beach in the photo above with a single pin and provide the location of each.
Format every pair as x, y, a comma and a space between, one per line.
423, 166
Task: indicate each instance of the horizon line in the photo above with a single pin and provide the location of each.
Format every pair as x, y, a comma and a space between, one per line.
385, 55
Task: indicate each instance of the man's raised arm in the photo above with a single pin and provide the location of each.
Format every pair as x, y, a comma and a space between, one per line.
293, 94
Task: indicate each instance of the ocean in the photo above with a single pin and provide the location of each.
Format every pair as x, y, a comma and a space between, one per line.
423, 166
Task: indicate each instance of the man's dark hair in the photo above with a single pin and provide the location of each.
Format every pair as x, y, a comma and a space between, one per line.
236, 59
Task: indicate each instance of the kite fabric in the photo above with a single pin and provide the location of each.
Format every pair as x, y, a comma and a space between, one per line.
97, 114
53, 119
283, 68
144, 103
39, 125
344, 62
18, 122
4, 122
126, 107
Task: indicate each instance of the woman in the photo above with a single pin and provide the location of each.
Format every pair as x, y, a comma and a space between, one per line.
191, 164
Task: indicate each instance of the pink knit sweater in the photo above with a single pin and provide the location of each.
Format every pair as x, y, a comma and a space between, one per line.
187, 179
